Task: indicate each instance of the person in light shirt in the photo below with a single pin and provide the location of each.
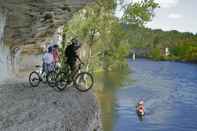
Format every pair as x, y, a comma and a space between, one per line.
48, 60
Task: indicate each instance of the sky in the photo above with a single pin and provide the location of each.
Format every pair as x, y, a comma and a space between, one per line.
178, 15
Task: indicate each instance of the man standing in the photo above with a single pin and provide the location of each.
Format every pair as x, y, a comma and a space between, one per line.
56, 55
48, 61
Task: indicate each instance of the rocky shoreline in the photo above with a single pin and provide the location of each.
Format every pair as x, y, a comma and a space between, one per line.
24, 108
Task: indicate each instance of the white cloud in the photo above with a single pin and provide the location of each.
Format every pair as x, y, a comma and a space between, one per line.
175, 16
162, 3
167, 3
136, 0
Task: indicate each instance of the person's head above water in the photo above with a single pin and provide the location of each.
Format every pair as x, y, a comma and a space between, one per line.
140, 108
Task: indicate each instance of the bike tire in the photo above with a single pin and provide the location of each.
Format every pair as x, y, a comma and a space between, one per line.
61, 81
34, 76
51, 78
81, 81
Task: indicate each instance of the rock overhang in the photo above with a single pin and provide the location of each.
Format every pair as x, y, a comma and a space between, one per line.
31, 22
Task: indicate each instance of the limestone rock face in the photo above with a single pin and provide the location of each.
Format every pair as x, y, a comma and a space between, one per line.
35, 21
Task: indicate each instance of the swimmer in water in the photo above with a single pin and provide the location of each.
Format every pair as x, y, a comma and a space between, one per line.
140, 108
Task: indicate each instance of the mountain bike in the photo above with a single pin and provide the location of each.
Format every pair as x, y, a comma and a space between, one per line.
80, 79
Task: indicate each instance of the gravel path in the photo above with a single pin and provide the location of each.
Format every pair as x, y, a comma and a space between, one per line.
23, 108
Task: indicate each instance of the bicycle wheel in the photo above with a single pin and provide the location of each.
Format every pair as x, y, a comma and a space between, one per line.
51, 78
84, 81
34, 79
61, 81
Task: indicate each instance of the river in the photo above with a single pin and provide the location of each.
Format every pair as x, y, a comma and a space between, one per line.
169, 90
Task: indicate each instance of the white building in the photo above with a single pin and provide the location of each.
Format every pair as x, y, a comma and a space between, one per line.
167, 52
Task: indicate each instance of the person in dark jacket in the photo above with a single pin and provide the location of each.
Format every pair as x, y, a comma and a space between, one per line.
71, 54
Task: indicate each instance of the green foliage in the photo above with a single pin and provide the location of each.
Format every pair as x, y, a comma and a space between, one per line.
140, 12
155, 54
107, 4
186, 51
103, 36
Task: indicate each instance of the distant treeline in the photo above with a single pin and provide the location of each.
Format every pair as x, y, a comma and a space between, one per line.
182, 46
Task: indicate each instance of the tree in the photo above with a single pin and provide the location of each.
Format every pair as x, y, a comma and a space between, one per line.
102, 33
139, 12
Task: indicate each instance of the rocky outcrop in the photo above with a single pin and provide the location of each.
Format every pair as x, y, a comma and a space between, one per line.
35, 21
27, 25
43, 109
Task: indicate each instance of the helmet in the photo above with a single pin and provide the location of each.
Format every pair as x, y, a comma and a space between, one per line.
76, 43
55, 46
74, 40
50, 49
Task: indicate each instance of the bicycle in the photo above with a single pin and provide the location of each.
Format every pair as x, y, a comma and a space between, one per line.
81, 80
39, 75
51, 76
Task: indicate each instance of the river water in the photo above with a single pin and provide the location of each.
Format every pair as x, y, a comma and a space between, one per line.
169, 90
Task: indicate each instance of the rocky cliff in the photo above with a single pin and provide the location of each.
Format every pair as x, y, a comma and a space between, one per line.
27, 25
35, 21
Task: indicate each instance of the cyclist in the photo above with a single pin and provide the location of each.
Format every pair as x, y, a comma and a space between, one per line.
72, 55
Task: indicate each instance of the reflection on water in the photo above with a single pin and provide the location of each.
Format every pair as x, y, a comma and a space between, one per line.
168, 89
107, 84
